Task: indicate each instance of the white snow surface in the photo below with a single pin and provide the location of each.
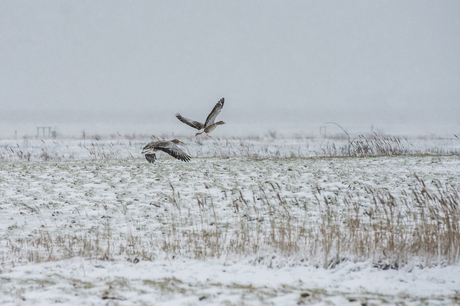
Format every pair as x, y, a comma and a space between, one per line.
48, 205
78, 281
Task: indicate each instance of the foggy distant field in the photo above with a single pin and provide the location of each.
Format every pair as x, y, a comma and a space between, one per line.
271, 220
271, 144
130, 67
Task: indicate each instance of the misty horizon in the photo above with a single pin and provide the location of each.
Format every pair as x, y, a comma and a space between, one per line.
289, 67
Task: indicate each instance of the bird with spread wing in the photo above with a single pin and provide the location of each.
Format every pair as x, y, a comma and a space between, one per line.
167, 146
209, 125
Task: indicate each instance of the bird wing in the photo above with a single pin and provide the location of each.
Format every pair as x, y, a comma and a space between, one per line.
150, 158
173, 150
215, 111
150, 148
194, 124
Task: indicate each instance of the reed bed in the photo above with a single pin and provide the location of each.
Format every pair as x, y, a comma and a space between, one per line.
104, 213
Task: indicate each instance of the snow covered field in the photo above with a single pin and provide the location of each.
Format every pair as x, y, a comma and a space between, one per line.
117, 146
245, 222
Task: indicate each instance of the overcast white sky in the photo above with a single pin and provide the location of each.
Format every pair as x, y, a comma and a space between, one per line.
129, 66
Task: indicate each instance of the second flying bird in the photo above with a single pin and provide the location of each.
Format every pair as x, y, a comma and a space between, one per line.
209, 125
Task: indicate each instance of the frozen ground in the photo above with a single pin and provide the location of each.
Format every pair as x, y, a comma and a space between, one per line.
229, 231
78, 281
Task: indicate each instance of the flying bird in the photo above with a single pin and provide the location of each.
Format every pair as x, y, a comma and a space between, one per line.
167, 146
209, 125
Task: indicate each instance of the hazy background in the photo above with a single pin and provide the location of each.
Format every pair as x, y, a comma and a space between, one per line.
129, 66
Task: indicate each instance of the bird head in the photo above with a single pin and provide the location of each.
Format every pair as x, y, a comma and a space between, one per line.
220, 122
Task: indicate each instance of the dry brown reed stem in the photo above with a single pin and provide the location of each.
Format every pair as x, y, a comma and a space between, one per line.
379, 145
